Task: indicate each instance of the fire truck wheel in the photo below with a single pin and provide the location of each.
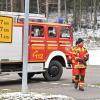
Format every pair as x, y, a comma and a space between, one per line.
30, 75
54, 71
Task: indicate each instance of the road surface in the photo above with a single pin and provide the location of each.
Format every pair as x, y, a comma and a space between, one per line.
64, 86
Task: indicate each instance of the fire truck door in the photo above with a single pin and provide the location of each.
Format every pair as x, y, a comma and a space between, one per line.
36, 44
51, 39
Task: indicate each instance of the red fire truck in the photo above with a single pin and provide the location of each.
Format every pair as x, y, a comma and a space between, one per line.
48, 45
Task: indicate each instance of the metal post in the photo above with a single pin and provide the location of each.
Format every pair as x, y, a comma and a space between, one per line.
25, 48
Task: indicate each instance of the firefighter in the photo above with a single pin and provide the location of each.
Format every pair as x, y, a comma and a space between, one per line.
79, 57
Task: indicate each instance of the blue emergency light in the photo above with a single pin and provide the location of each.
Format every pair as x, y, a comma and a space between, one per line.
60, 20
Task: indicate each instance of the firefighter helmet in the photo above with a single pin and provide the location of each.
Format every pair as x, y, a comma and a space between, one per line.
79, 40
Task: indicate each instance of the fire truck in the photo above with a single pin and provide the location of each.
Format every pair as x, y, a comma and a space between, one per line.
48, 46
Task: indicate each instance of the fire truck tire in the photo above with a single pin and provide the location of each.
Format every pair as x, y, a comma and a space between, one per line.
30, 75
54, 72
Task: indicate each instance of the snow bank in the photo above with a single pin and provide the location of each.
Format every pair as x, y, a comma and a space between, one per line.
94, 56
32, 96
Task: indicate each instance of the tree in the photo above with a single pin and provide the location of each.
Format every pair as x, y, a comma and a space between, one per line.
22, 5
95, 14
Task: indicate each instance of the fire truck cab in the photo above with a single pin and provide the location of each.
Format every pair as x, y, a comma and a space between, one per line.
48, 45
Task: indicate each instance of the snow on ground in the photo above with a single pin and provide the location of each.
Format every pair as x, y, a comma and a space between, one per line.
94, 56
32, 96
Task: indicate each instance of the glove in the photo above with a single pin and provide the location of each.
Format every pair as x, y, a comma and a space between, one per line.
69, 62
86, 58
80, 60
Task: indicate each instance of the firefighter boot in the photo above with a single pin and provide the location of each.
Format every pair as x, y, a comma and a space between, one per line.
76, 81
76, 84
81, 86
73, 79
